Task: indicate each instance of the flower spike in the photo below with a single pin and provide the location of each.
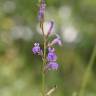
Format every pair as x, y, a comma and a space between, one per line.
42, 11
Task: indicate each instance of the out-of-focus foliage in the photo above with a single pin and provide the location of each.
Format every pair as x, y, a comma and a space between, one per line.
75, 22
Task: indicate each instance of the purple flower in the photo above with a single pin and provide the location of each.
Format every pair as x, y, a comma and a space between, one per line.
56, 41
41, 10
51, 27
51, 55
47, 27
36, 49
52, 66
51, 49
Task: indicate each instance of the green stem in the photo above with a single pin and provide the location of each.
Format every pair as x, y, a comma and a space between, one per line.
87, 72
44, 62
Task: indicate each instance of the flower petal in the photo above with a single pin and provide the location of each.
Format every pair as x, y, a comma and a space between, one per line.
48, 26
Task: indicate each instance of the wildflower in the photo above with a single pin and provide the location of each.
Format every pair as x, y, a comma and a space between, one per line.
50, 28
51, 55
52, 66
36, 49
57, 41
47, 27
41, 10
49, 60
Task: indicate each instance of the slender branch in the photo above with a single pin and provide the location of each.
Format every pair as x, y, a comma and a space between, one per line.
87, 72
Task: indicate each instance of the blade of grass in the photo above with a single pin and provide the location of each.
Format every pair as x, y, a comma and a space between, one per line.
87, 72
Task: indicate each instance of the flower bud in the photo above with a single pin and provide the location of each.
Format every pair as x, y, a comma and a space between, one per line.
55, 41
47, 27
41, 11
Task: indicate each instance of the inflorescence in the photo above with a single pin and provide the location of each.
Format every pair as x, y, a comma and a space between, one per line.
51, 57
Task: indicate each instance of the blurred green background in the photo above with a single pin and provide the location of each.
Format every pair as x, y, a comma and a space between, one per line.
75, 22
